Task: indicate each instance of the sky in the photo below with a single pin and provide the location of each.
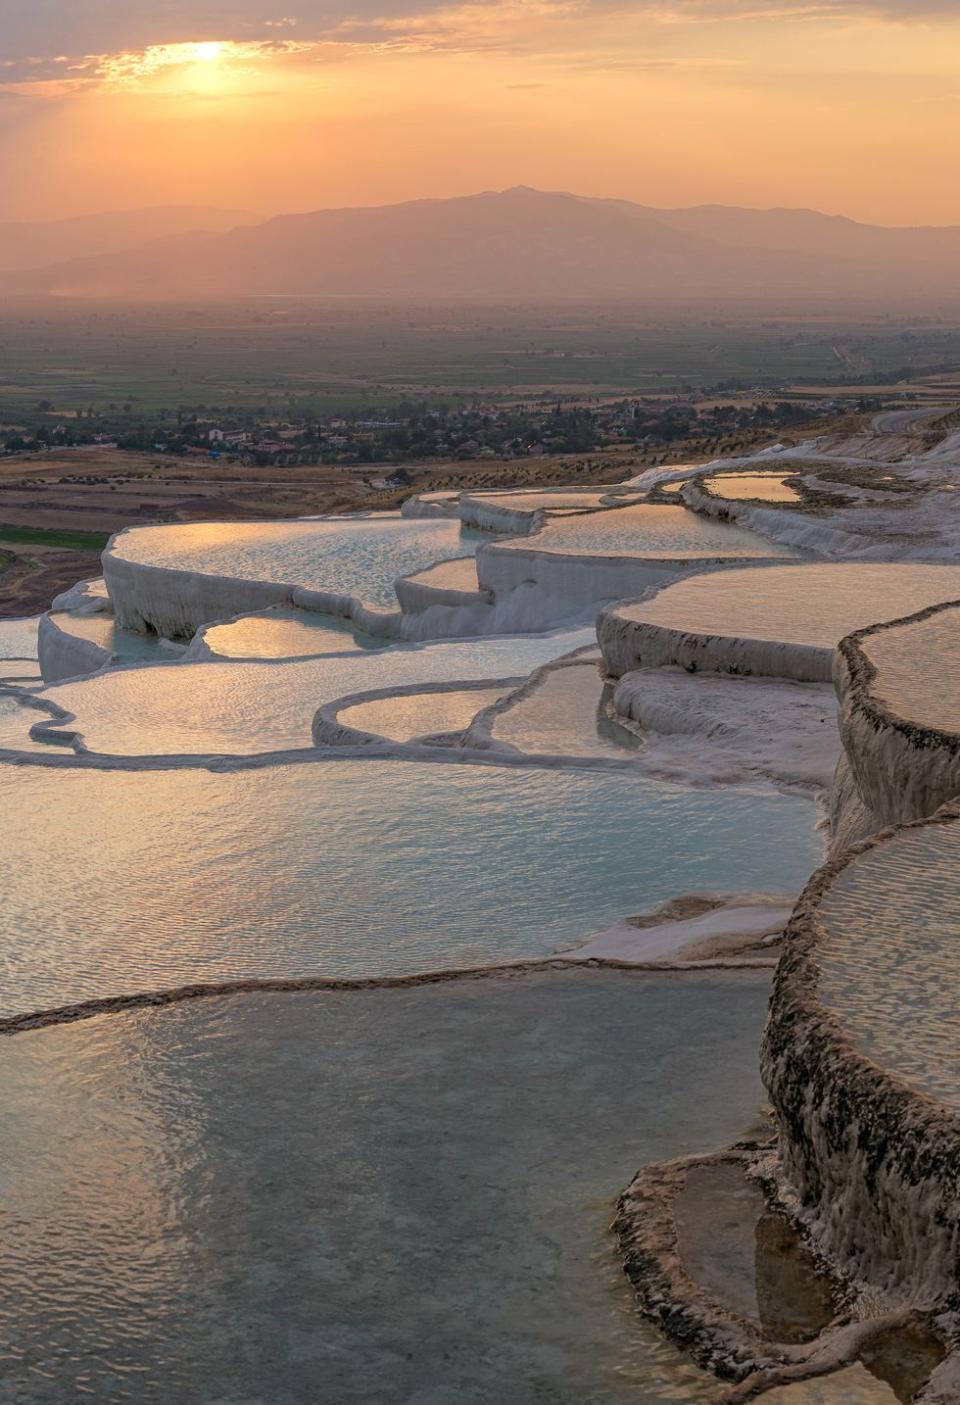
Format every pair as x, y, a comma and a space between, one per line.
848, 106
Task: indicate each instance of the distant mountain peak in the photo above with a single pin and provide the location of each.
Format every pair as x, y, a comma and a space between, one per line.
517, 243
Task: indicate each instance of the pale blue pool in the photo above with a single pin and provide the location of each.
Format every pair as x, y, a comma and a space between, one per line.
125, 881
394, 1197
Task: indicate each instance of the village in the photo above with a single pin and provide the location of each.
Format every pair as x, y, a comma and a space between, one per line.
407, 431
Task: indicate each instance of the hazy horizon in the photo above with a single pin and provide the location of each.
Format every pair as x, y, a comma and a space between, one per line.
250, 214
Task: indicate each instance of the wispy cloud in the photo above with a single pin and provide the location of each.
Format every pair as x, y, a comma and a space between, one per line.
61, 46
41, 31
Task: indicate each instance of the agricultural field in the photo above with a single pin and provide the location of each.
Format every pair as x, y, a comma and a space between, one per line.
323, 358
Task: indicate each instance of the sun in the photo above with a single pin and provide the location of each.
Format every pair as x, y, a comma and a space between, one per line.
207, 52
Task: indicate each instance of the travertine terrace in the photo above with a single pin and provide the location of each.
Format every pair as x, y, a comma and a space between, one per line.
492, 785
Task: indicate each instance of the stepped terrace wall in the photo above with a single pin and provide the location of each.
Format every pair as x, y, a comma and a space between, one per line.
873, 1155
176, 579
625, 551
900, 715
776, 621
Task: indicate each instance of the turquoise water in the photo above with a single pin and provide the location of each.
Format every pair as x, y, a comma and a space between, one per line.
124, 881
352, 556
375, 1198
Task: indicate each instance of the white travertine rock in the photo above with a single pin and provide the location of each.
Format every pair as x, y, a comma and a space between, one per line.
779, 621
65, 655
899, 715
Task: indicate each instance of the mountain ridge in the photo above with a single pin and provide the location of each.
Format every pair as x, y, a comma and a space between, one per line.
519, 242
26, 244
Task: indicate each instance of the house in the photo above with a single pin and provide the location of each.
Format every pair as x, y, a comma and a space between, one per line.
230, 438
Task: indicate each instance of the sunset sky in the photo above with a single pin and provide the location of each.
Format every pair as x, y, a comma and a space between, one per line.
847, 106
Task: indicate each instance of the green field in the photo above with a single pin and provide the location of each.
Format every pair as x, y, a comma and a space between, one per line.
65, 541
322, 357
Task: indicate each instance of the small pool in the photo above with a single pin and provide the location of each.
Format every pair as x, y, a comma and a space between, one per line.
645, 529
566, 714
120, 881
282, 633
421, 714
753, 487
384, 1196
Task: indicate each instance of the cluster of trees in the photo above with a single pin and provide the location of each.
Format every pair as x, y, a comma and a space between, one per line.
405, 430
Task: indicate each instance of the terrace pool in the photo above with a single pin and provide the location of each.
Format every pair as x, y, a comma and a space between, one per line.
286, 633
646, 529
103, 630
360, 556
753, 487
252, 708
123, 881
363, 1198
814, 604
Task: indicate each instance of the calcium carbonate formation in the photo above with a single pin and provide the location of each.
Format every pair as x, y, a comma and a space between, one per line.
344, 666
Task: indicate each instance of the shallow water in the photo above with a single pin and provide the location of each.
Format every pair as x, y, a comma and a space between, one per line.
458, 574
281, 633
808, 604
419, 714
565, 715
20, 672
646, 529
755, 487
889, 962
852, 1386
119, 881
372, 1198
570, 499
751, 1261
244, 709
351, 556
927, 692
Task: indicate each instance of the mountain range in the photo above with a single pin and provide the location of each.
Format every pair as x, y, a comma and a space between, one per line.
31, 244
518, 243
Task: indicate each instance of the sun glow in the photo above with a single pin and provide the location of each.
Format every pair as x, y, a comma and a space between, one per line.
207, 52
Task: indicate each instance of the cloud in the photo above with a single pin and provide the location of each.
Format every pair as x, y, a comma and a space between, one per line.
47, 28
56, 46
